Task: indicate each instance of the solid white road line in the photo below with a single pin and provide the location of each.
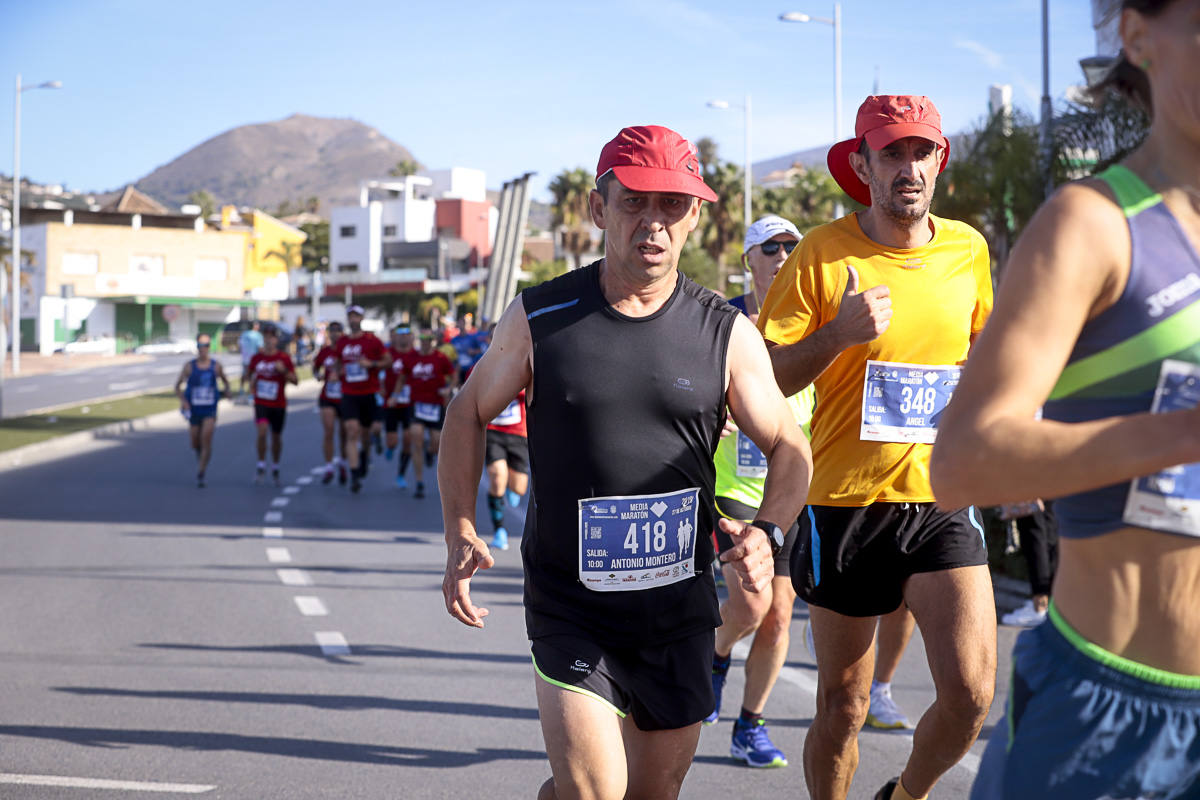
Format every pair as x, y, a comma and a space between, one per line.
273, 516
291, 489
100, 783
278, 555
273, 533
332, 643
311, 606
280, 502
294, 577
123, 385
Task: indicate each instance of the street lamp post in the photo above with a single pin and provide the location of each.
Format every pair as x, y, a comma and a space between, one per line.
746, 180
836, 23
16, 218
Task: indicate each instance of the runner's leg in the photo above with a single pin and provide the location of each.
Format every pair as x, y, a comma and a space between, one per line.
956, 611
845, 661
769, 649
584, 744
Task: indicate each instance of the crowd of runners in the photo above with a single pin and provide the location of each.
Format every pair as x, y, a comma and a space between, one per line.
668, 450
831, 434
376, 399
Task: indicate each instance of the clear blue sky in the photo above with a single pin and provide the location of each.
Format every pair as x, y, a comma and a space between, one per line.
510, 87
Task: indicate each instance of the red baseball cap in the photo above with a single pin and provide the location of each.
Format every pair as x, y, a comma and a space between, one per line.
882, 119
651, 158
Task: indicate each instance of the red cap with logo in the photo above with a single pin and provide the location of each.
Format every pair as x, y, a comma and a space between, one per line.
651, 158
882, 119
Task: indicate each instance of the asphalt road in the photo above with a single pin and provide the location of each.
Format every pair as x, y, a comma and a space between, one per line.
63, 387
264, 643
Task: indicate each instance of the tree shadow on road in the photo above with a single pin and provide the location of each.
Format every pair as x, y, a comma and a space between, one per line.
325, 750
327, 702
360, 651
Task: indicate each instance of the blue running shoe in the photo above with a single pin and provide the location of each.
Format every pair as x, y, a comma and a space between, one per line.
500, 540
752, 744
514, 499
401, 483
718, 685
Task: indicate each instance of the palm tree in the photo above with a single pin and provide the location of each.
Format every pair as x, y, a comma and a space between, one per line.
723, 222
572, 216
288, 253
404, 168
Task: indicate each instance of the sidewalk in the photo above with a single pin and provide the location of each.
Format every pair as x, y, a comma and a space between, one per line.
38, 364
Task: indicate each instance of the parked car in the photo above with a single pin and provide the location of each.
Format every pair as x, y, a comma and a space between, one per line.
167, 345
102, 345
233, 331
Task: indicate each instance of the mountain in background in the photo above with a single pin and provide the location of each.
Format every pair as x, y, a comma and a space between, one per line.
269, 163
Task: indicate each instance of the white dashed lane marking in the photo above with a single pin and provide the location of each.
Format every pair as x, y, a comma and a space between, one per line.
291, 490
294, 577
332, 643
304, 480
311, 606
280, 502
273, 516
100, 783
278, 555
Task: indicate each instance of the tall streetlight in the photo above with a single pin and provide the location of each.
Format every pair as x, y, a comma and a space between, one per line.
746, 170
16, 218
836, 22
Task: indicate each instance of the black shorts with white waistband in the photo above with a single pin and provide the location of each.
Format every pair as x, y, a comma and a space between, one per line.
855, 561
663, 686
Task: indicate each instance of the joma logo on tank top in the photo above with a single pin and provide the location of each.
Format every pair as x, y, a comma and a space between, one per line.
1181, 289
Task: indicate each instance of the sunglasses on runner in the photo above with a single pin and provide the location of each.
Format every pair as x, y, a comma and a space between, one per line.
771, 248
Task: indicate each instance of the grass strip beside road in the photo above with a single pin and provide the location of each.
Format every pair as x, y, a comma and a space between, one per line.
20, 431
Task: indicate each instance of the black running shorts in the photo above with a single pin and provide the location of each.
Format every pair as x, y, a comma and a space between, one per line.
359, 407
663, 686
511, 448
397, 418
732, 509
855, 561
271, 415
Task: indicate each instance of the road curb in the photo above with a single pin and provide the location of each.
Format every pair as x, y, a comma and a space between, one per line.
95, 438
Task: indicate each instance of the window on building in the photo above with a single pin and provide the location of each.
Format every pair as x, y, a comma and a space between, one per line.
389, 230
80, 263
347, 268
347, 231
212, 269
146, 265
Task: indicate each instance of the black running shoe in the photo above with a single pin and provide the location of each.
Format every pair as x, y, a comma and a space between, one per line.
888, 790
275, 477
327, 478
355, 484
199, 480
341, 475
420, 492
258, 476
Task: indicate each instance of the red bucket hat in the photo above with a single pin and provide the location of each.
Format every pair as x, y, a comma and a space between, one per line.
882, 119
651, 158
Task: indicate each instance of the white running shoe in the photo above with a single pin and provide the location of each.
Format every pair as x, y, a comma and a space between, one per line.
1024, 616
884, 713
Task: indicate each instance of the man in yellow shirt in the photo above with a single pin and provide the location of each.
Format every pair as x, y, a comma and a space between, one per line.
878, 310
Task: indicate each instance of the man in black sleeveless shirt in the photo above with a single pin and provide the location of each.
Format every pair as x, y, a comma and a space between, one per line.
628, 368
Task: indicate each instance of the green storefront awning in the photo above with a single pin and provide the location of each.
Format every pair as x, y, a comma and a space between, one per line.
185, 302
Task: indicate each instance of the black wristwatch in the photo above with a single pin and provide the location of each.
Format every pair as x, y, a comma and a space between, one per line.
774, 535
